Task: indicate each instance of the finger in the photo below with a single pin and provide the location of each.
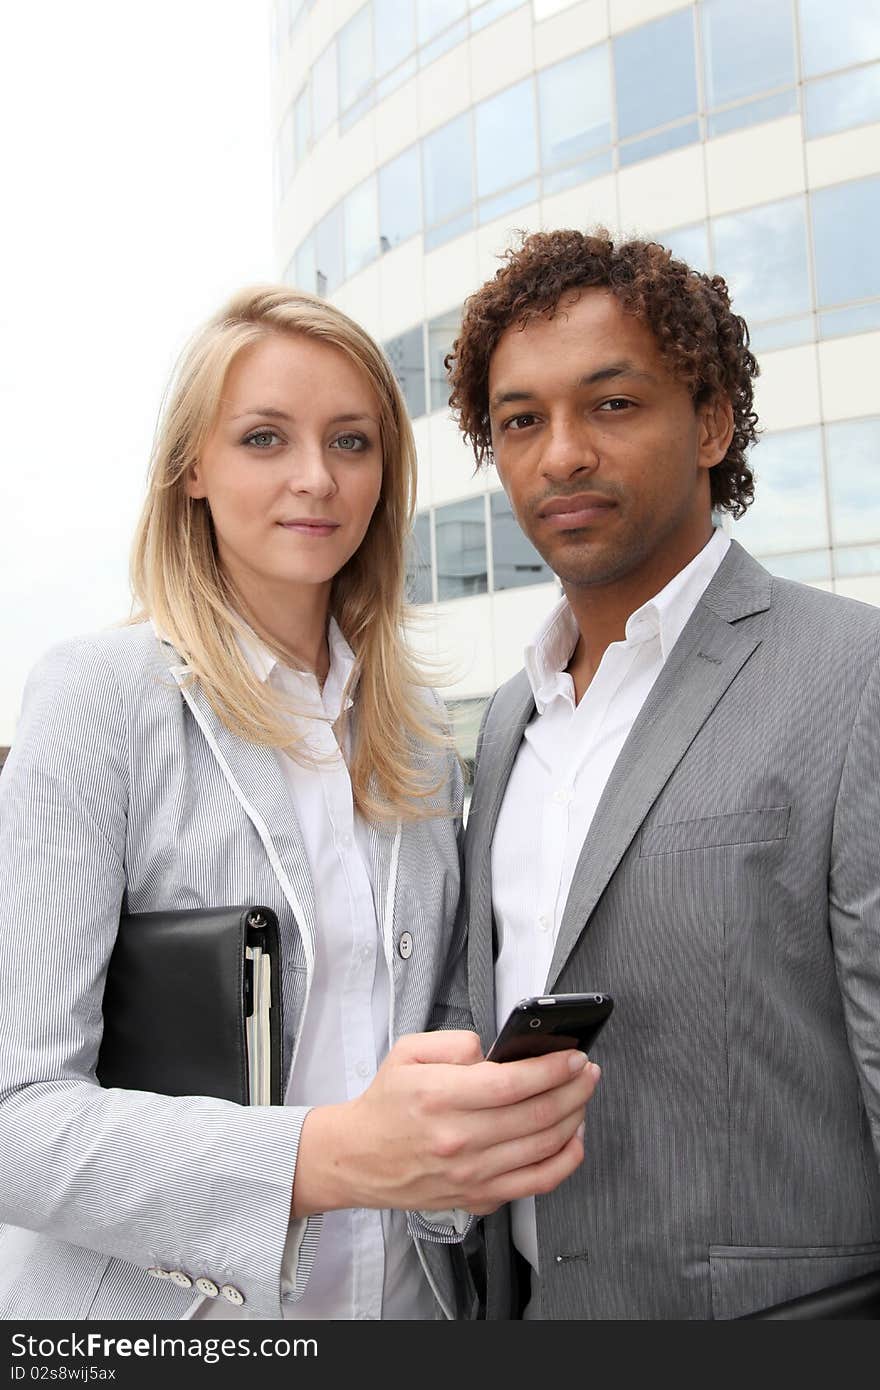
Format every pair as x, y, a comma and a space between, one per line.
538, 1178
479, 1169
485, 1129
493, 1084
456, 1046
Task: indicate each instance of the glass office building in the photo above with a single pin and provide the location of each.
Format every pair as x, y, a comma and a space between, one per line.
415, 137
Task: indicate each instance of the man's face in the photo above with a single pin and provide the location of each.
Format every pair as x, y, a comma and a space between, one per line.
600, 450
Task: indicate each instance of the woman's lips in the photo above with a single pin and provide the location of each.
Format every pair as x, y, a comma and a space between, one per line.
310, 528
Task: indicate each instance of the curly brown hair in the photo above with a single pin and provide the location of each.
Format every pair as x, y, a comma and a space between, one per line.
705, 345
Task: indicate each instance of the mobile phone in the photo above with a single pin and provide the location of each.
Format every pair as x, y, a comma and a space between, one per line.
551, 1023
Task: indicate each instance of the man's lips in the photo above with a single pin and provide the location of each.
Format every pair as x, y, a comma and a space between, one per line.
569, 513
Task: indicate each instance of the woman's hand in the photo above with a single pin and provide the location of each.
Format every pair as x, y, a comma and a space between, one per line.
439, 1128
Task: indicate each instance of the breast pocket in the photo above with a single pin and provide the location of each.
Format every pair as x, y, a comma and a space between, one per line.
712, 832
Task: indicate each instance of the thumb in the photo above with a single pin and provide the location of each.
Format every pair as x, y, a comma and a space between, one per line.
451, 1045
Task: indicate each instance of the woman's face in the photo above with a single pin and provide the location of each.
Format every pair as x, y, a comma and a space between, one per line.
291, 469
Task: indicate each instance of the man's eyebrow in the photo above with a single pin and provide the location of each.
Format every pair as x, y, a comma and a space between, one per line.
609, 373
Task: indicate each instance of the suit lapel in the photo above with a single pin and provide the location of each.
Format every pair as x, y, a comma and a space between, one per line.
700, 668
511, 710
256, 780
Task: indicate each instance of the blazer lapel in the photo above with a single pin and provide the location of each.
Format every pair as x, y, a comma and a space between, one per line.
700, 667
256, 780
511, 710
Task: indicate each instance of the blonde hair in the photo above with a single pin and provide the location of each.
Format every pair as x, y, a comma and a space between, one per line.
177, 580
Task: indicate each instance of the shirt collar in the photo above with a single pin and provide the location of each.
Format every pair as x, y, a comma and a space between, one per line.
333, 697
666, 614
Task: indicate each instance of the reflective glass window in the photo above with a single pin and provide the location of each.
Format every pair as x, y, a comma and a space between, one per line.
324, 91
430, 52
286, 150
361, 215
834, 36
395, 28
804, 566
407, 357
418, 560
507, 147
655, 73
460, 539
434, 15
748, 47
845, 221
672, 138
447, 171
487, 14
442, 332
854, 480
328, 251
788, 512
753, 112
848, 99
515, 561
355, 46
400, 198
762, 255
305, 268
860, 559
303, 121
689, 244
574, 98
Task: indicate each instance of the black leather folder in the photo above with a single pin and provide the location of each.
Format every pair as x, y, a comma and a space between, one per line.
192, 1005
855, 1298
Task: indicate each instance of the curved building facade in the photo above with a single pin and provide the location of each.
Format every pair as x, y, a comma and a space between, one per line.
415, 137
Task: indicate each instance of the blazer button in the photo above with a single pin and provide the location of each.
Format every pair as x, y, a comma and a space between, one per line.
207, 1287
182, 1280
158, 1273
232, 1295
404, 945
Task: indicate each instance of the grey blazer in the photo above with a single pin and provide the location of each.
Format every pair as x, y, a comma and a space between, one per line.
728, 896
124, 790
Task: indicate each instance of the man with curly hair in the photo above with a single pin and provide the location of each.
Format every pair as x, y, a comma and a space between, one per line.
676, 802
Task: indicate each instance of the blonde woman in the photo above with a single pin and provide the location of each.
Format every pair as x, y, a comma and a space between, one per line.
260, 734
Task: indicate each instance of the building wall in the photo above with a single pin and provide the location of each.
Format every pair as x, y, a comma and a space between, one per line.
415, 137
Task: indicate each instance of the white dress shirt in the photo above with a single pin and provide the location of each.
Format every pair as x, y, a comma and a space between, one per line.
366, 1265
565, 759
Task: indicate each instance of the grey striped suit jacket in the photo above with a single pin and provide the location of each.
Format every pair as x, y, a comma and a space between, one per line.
728, 896
124, 791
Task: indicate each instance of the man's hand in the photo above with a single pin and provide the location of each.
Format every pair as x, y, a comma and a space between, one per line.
439, 1127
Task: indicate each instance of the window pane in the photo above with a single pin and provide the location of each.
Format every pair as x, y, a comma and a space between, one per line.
355, 58
400, 200
655, 74
487, 14
753, 112
805, 566
851, 98
833, 36
324, 91
789, 508
305, 267
845, 222
854, 480
839, 323
303, 116
863, 559
514, 559
407, 357
460, 536
418, 564
673, 138
507, 149
328, 251
782, 333
434, 15
286, 150
689, 244
361, 226
748, 47
442, 333
448, 177
395, 26
575, 104
762, 255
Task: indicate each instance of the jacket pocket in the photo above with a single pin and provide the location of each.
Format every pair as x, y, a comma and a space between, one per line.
747, 1278
710, 832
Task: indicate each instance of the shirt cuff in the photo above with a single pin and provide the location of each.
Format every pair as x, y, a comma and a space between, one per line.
300, 1249
442, 1227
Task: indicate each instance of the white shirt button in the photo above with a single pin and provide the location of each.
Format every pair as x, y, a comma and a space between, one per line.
363, 1069
182, 1280
232, 1295
345, 841
562, 796
207, 1287
405, 945
543, 922
366, 952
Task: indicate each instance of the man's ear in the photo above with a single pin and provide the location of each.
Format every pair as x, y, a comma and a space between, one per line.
194, 484
716, 430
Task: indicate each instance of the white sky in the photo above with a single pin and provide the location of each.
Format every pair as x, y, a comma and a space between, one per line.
137, 186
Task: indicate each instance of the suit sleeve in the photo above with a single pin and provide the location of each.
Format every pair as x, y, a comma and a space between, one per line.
179, 1183
854, 896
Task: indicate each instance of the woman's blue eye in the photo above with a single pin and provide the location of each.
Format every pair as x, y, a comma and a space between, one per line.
350, 443
263, 439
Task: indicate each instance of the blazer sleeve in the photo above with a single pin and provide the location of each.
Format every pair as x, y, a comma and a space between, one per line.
189, 1183
854, 896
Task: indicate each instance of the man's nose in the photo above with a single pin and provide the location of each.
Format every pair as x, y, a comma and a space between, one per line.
569, 449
